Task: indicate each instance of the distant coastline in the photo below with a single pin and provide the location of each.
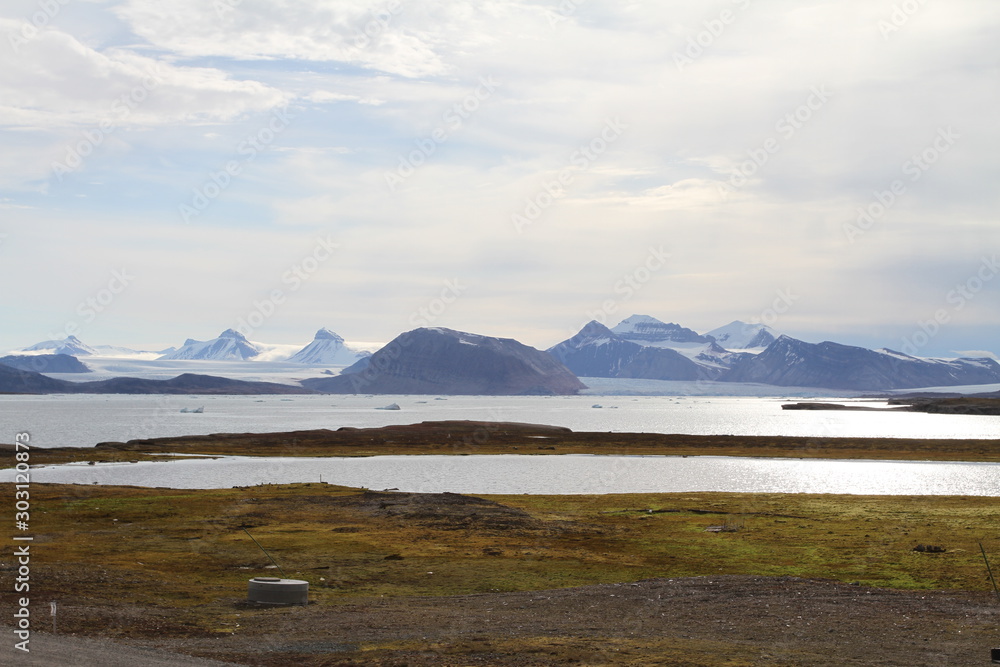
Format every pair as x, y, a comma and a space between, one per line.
463, 438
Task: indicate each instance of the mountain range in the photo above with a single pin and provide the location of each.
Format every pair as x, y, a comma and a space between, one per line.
643, 347
438, 360
327, 348
14, 381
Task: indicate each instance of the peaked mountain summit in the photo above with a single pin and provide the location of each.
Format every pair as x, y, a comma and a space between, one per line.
327, 348
647, 330
444, 361
739, 335
71, 346
597, 351
230, 345
643, 347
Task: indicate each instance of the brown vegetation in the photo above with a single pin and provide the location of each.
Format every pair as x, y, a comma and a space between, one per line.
469, 437
447, 579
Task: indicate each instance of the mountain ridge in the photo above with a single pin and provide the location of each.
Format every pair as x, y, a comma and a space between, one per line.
639, 347
437, 360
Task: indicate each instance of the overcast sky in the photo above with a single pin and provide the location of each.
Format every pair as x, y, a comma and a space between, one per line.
173, 168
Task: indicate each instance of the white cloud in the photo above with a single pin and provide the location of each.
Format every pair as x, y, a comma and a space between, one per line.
361, 33
53, 80
975, 353
367, 98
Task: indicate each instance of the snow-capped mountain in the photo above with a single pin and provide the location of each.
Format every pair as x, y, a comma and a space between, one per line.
791, 362
597, 351
739, 335
646, 330
650, 332
642, 347
230, 345
328, 348
71, 346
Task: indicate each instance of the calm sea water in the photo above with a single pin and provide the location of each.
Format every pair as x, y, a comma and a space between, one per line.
508, 474
83, 421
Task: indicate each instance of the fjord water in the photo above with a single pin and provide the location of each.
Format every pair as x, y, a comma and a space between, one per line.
567, 474
83, 421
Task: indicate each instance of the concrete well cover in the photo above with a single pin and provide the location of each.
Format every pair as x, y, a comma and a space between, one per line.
272, 590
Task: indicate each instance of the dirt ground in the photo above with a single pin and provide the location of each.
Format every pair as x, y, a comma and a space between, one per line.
690, 621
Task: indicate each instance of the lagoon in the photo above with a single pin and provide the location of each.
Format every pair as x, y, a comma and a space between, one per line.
548, 474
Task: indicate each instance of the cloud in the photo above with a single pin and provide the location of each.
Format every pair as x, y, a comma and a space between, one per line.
54, 81
370, 83
976, 353
366, 34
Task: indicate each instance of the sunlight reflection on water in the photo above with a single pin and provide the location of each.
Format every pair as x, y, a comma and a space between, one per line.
86, 420
573, 474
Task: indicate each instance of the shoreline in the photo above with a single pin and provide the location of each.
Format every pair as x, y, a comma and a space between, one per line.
465, 438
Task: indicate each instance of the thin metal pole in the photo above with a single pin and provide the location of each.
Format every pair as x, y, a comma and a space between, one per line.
265, 553
988, 569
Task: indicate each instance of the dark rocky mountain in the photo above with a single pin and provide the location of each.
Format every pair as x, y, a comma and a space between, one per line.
661, 363
187, 383
14, 381
443, 361
597, 351
643, 348
45, 363
793, 363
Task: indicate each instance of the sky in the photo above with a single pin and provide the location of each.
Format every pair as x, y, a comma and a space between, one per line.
514, 168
